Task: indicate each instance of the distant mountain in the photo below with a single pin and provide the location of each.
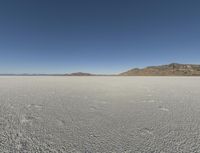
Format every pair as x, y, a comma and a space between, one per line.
173, 69
80, 74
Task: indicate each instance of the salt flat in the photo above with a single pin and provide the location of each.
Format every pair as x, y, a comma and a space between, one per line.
100, 114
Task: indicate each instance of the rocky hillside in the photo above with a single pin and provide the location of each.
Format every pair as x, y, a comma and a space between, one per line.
173, 69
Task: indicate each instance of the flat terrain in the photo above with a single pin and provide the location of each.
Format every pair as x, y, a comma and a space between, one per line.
100, 114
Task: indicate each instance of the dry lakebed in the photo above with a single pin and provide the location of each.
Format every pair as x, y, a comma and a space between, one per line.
99, 114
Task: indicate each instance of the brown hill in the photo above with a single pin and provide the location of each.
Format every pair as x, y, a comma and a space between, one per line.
173, 69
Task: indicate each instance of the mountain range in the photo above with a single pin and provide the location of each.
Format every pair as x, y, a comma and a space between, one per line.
173, 69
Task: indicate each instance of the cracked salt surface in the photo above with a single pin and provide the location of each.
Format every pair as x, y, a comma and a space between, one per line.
99, 114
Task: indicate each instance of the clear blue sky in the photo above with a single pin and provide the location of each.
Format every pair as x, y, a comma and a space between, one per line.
98, 36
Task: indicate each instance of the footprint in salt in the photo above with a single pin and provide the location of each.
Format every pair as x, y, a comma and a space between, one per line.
146, 131
60, 122
163, 109
35, 106
28, 119
149, 101
24, 119
93, 108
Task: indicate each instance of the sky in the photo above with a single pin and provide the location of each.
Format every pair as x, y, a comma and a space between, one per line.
97, 36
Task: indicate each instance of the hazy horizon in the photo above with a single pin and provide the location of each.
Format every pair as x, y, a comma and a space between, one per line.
103, 73
109, 37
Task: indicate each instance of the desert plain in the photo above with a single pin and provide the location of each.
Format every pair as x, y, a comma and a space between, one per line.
97, 114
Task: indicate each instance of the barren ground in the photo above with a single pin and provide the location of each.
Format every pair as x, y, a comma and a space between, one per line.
100, 114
